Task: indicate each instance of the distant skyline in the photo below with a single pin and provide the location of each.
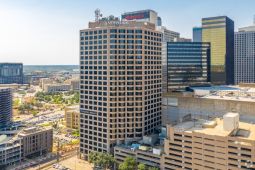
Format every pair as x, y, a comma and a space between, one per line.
38, 32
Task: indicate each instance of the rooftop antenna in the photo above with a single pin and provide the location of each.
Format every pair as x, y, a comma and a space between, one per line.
98, 14
254, 19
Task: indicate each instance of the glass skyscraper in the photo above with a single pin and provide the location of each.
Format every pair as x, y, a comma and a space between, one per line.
11, 73
5, 106
188, 63
197, 34
219, 31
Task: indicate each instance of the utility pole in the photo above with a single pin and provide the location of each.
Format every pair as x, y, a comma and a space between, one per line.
58, 151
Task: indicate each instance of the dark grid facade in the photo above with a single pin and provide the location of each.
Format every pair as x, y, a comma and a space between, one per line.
245, 57
5, 106
11, 73
188, 63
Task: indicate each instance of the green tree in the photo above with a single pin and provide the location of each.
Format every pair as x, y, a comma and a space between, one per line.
100, 159
153, 168
16, 103
141, 167
34, 112
128, 164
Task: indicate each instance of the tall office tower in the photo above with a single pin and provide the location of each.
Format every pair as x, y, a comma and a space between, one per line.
245, 55
5, 106
147, 15
188, 63
120, 83
197, 34
168, 36
219, 31
11, 73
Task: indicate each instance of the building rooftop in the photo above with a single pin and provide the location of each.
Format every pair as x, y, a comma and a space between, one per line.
32, 130
10, 63
121, 24
143, 148
234, 93
247, 29
73, 108
215, 127
139, 11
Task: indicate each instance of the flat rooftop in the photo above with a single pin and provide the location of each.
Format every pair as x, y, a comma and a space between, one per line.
121, 24
217, 88
245, 130
32, 130
234, 93
232, 98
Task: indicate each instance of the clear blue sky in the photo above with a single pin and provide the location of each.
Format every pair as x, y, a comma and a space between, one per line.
47, 31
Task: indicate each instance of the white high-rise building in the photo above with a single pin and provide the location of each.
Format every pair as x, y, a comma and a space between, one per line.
245, 55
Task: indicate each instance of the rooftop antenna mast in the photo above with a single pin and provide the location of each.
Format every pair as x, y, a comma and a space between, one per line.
98, 14
254, 19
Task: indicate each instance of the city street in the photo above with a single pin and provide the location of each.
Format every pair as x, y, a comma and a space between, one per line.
73, 163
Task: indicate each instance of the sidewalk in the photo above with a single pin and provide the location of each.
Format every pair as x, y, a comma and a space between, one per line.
33, 162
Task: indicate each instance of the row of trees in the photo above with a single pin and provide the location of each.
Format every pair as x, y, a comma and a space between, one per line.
106, 161
67, 98
31, 106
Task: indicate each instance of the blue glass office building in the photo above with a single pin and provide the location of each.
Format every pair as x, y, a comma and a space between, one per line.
188, 64
11, 73
5, 106
197, 34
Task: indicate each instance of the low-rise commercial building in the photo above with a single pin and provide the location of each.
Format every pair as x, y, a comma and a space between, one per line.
44, 81
198, 143
36, 140
75, 85
72, 117
49, 88
10, 151
143, 154
28, 142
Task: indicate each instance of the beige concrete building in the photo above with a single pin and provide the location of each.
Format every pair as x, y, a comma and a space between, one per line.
36, 140
44, 81
211, 101
75, 84
120, 94
196, 144
217, 144
72, 117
